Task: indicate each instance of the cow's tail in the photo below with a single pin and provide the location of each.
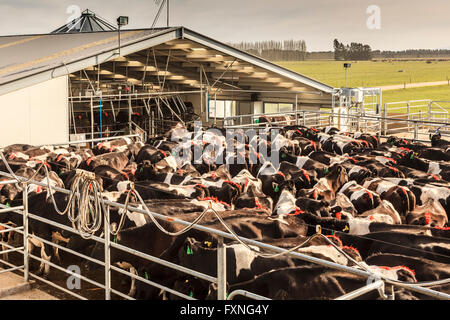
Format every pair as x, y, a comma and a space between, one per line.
405, 193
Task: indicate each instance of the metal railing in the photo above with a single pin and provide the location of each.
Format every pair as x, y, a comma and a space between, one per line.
220, 280
417, 128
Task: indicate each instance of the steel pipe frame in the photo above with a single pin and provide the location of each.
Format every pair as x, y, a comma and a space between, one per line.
303, 257
379, 284
246, 294
91, 140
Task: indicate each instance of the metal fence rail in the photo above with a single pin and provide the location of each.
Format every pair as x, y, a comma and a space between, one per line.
220, 280
418, 128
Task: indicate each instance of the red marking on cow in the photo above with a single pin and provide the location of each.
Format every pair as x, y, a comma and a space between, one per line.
370, 217
316, 194
38, 189
79, 117
353, 159
180, 172
214, 199
125, 175
435, 177
234, 184
364, 142
59, 158
297, 212
314, 145
137, 114
299, 132
403, 190
213, 175
106, 114
170, 219
405, 149
376, 139
404, 141
338, 215
393, 169
369, 194
398, 267
390, 159
133, 171
351, 248
442, 228
335, 238
12, 156
246, 182
281, 174
259, 206
314, 129
88, 161
427, 217
163, 153
306, 175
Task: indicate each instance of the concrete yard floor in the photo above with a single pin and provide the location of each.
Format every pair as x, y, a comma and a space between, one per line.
12, 287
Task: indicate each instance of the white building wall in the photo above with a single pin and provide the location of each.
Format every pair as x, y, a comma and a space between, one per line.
35, 115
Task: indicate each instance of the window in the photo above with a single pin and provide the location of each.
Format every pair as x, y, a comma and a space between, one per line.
221, 108
270, 107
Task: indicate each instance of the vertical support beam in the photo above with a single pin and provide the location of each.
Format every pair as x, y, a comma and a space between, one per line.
26, 260
207, 107
215, 108
130, 111
296, 109
92, 121
408, 111
107, 254
221, 270
202, 112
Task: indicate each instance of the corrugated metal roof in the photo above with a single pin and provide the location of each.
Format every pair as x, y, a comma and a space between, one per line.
21, 56
30, 59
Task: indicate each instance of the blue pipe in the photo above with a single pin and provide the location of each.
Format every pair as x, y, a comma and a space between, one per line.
101, 122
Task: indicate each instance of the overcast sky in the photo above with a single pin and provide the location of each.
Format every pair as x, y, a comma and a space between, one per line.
403, 24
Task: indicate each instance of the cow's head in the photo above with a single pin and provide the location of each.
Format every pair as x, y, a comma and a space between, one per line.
145, 171
435, 138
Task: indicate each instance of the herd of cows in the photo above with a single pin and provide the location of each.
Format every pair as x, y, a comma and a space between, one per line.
384, 203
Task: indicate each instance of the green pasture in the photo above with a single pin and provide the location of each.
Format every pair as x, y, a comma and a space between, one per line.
381, 73
436, 93
370, 73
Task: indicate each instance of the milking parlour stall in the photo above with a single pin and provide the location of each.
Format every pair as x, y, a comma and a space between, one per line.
176, 167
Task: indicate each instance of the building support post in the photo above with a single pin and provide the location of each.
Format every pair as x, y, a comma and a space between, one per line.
221, 270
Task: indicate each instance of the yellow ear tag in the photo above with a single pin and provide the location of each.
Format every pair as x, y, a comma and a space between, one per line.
346, 228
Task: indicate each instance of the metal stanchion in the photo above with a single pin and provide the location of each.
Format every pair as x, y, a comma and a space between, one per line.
107, 255
221, 270
26, 265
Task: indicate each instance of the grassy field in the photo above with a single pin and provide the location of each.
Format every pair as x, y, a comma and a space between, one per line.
371, 73
437, 93
379, 73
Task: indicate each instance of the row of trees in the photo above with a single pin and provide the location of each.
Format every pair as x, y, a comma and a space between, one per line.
295, 50
287, 50
411, 54
354, 51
